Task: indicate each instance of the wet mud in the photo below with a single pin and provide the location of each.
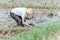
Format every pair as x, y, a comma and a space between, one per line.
41, 17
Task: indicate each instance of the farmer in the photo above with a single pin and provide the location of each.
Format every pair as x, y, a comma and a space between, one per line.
20, 14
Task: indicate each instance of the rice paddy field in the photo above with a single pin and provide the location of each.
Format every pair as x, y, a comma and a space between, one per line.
51, 31
46, 21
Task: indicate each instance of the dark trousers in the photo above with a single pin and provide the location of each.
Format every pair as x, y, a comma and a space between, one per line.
17, 18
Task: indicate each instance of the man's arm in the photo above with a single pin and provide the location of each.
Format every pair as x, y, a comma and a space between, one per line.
24, 23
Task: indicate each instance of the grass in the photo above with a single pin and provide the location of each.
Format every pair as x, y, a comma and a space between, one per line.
39, 33
42, 6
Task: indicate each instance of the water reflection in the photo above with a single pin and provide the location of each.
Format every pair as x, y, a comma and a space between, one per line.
2, 15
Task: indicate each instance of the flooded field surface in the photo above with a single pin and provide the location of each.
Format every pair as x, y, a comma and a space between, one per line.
41, 17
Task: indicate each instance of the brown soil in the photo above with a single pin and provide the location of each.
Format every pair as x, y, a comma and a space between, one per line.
9, 33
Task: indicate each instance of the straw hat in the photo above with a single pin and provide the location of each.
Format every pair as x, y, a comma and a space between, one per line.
30, 11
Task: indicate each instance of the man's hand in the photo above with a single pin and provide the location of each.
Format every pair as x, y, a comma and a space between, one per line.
28, 25
25, 23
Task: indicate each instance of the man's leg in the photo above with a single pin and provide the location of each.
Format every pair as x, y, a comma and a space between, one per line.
16, 18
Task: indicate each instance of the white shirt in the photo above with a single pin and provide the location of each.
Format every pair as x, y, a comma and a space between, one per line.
20, 12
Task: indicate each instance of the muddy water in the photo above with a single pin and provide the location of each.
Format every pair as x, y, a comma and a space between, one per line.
41, 17
44, 16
